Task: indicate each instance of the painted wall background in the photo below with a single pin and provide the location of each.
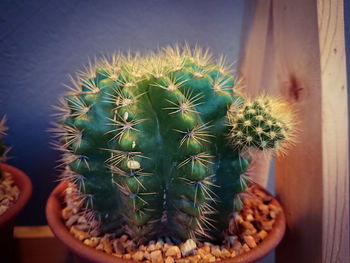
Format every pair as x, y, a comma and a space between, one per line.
41, 42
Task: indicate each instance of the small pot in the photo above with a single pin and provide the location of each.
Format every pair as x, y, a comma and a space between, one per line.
85, 254
7, 220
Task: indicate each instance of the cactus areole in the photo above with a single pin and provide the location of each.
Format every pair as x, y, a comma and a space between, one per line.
158, 143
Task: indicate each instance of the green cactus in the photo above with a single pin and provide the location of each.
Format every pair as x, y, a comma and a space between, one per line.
158, 143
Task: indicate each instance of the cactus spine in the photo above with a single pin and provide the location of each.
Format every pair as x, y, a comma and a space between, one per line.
158, 142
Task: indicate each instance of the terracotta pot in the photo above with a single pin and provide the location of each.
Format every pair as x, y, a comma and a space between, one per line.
86, 254
7, 220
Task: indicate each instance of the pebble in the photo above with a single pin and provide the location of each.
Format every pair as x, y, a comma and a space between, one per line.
267, 225
156, 256
107, 247
151, 248
142, 248
95, 232
250, 241
174, 252
147, 255
99, 246
81, 235
117, 255
118, 247
201, 252
138, 256
82, 227
92, 242
194, 259
206, 248
188, 247
169, 260
246, 248
66, 212
209, 258
249, 217
215, 251
130, 246
262, 234
225, 253
159, 245
72, 220
166, 246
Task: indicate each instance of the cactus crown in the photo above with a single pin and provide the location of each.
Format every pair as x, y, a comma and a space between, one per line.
157, 143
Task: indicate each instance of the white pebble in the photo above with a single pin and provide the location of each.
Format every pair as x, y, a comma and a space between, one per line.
188, 247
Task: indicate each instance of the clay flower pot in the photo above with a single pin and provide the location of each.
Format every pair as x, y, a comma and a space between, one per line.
83, 253
7, 220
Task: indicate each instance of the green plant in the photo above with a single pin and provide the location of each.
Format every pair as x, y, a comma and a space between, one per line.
159, 143
3, 148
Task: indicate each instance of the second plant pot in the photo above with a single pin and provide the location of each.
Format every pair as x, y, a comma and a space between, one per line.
7, 220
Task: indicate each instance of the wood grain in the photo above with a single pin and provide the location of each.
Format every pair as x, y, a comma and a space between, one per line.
299, 176
37, 244
335, 132
255, 70
312, 182
304, 61
256, 50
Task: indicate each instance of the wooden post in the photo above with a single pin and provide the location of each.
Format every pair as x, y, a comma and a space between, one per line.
307, 66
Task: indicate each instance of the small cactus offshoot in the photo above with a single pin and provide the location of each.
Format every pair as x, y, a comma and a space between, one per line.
265, 123
158, 144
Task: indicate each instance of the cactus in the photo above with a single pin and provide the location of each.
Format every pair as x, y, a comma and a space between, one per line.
159, 144
3, 149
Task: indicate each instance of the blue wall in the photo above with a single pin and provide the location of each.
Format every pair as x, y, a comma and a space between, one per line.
41, 42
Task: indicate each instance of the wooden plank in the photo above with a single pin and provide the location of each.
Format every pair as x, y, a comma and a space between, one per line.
299, 176
304, 61
335, 247
255, 70
22, 232
41, 250
37, 244
255, 49
313, 181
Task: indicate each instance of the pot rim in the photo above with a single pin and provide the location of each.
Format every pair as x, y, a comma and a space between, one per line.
25, 186
55, 222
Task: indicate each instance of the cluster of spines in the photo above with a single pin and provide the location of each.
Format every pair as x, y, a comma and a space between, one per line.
265, 123
194, 202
